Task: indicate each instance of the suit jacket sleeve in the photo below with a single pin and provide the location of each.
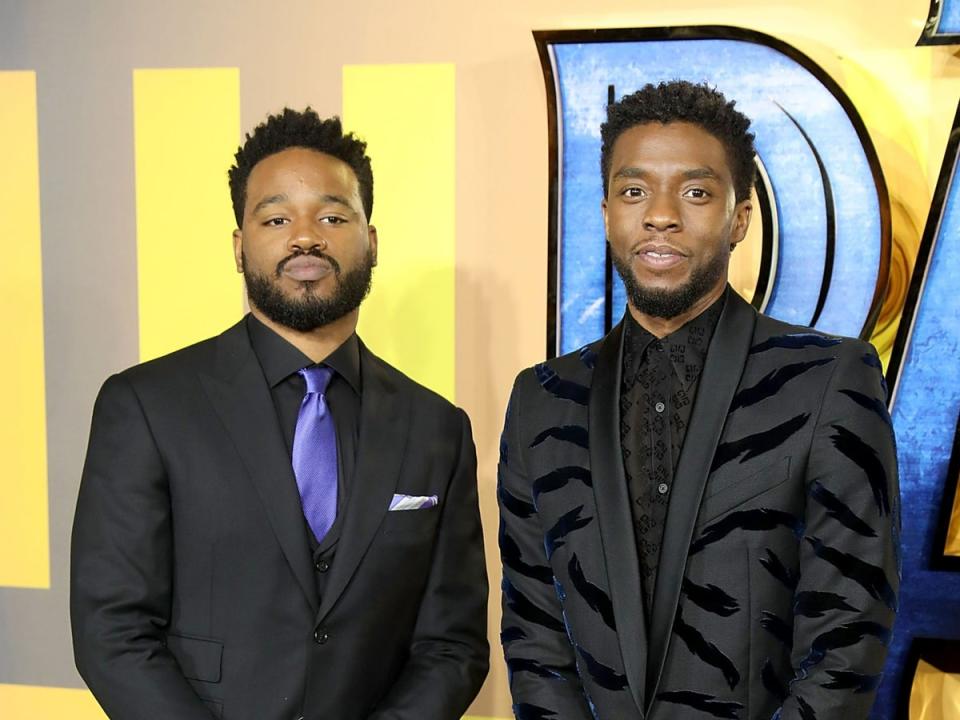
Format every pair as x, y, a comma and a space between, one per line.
121, 560
849, 555
540, 660
449, 653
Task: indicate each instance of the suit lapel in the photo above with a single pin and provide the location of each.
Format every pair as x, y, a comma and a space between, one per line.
384, 424
718, 383
613, 513
240, 396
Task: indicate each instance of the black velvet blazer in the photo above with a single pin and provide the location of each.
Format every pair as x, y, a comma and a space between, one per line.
778, 576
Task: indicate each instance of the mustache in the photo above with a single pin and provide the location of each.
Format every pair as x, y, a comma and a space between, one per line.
313, 252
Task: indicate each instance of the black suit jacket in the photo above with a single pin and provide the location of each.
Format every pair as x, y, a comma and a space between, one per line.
192, 588
778, 572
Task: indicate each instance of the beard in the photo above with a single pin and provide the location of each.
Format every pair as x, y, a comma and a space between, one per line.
308, 311
668, 303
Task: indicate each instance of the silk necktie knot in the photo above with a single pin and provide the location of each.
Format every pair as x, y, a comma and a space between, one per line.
317, 377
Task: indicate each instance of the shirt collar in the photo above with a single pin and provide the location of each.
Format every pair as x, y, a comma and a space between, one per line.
279, 359
686, 346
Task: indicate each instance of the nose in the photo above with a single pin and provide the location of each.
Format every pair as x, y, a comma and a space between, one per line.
305, 236
661, 214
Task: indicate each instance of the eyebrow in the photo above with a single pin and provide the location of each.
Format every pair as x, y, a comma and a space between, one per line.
691, 174
630, 172
282, 197
701, 172
269, 200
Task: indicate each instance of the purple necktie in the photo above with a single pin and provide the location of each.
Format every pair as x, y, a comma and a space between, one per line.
315, 453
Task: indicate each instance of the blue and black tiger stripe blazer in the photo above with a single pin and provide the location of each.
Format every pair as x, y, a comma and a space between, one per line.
778, 574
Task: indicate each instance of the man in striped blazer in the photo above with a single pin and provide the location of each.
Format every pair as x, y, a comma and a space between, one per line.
699, 512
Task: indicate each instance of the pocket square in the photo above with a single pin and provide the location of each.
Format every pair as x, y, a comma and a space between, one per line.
412, 502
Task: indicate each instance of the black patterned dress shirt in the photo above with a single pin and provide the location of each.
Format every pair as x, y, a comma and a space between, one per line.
658, 385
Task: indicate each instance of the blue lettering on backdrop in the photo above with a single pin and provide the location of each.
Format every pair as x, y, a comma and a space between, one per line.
925, 381
950, 17
811, 146
832, 232
943, 24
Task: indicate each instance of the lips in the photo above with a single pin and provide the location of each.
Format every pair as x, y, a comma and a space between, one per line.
659, 256
306, 268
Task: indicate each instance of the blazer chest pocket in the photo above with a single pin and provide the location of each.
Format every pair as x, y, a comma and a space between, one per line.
199, 658
412, 524
734, 490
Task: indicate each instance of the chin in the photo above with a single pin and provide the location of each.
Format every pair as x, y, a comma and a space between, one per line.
661, 285
304, 289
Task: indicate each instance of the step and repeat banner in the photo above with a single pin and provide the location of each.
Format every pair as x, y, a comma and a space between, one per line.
118, 122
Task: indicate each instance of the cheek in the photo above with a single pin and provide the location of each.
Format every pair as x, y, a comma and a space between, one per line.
713, 231
258, 258
353, 252
622, 225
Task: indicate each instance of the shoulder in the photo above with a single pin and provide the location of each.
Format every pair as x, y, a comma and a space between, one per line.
572, 371
426, 402
174, 364
780, 351
179, 368
780, 339
161, 387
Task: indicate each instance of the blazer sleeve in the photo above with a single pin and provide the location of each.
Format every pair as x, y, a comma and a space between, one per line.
120, 574
846, 599
449, 652
540, 660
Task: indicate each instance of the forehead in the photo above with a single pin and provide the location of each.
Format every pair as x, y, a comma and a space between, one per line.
299, 166
675, 143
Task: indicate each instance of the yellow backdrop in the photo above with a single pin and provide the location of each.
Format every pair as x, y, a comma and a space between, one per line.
117, 125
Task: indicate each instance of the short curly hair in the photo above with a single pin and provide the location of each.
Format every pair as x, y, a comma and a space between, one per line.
682, 101
293, 129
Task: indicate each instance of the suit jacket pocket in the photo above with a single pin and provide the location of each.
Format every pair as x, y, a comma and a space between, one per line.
413, 524
199, 658
734, 490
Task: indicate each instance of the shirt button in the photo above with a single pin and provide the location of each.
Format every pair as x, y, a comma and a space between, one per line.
662, 488
659, 407
322, 566
320, 636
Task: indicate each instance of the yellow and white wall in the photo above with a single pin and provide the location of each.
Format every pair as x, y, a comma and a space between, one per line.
118, 120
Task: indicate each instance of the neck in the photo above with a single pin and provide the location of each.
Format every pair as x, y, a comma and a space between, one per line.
316, 344
661, 327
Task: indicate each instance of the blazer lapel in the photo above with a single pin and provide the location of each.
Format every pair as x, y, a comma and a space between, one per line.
720, 379
384, 423
240, 396
613, 513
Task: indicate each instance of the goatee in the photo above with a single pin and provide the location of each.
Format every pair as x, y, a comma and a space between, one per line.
309, 311
668, 303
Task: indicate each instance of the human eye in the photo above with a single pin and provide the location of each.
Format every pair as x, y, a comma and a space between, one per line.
696, 193
275, 221
633, 191
332, 220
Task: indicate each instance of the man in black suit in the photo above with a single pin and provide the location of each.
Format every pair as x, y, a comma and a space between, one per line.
699, 512
274, 523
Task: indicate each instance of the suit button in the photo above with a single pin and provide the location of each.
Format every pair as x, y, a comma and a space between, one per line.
322, 566
662, 488
320, 636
